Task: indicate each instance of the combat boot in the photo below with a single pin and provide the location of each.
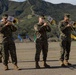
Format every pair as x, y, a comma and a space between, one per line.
67, 63
0, 60
46, 65
6, 68
62, 64
16, 67
37, 65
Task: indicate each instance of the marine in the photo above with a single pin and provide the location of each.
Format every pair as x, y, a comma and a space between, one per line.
8, 45
41, 30
65, 37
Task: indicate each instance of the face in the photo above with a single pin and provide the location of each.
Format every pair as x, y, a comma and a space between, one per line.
66, 18
41, 20
4, 20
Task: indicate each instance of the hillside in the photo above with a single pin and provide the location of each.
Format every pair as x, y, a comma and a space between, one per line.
22, 9
28, 10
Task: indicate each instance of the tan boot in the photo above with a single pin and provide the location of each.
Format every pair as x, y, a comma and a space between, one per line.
16, 67
5, 68
67, 63
62, 64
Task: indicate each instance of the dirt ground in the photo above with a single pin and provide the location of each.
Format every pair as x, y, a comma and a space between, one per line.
26, 54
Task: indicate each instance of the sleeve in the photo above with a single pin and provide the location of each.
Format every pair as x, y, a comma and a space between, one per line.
0, 29
42, 28
48, 28
38, 29
13, 28
62, 26
3, 29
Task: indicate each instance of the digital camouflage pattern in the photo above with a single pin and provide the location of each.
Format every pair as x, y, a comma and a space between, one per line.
41, 41
65, 36
8, 45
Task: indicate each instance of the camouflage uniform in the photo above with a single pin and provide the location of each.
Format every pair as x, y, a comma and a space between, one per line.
8, 44
41, 41
1, 39
65, 36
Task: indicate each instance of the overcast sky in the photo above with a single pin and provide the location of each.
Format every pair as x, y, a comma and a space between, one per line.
56, 1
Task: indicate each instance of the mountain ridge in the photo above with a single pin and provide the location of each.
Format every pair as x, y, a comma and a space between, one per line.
27, 12
21, 9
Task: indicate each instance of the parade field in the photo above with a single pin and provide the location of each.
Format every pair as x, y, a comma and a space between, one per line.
26, 63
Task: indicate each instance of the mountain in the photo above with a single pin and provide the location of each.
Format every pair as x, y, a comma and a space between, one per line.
27, 12
32, 7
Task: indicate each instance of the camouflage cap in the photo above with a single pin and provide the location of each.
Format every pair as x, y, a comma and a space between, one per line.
5, 16
42, 16
67, 15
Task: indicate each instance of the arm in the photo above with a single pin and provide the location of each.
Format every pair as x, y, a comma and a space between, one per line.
1, 25
13, 28
38, 29
2, 29
48, 28
62, 26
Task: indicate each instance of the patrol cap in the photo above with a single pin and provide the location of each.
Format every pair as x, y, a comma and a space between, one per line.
42, 16
67, 15
5, 16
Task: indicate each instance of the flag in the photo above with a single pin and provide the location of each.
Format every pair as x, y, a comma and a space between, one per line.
49, 18
10, 18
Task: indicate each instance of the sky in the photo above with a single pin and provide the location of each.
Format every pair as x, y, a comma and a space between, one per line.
55, 1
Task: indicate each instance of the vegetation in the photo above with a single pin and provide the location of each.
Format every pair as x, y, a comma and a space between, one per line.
27, 13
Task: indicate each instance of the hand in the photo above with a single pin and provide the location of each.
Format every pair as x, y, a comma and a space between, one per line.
68, 25
8, 23
45, 24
